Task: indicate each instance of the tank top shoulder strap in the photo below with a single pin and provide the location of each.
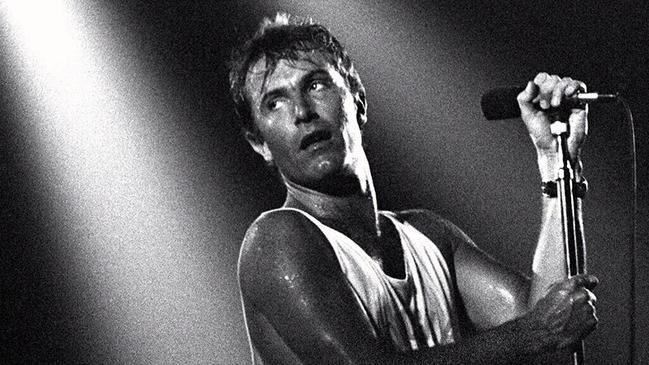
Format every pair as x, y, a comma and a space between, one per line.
313, 219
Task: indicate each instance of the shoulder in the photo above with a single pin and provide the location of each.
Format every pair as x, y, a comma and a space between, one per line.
282, 244
279, 227
444, 233
297, 302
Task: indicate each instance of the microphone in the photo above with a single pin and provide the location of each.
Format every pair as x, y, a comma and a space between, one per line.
501, 103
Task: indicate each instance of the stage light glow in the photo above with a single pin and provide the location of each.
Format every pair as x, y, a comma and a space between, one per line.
121, 183
45, 28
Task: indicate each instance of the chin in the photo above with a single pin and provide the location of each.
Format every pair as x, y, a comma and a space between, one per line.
331, 164
337, 179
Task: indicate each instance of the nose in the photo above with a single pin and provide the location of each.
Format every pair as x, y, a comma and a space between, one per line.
304, 111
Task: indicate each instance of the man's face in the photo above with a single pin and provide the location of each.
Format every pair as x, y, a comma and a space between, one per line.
306, 117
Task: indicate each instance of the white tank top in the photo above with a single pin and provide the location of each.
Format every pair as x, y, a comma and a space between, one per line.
414, 312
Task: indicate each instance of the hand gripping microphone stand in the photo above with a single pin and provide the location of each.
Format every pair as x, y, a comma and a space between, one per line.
574, 245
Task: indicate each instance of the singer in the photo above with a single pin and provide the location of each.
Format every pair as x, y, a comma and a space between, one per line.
328, 278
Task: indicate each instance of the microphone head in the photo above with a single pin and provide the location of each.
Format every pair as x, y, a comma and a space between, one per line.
501, 103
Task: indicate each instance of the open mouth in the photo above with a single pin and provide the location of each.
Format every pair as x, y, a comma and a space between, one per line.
315, 137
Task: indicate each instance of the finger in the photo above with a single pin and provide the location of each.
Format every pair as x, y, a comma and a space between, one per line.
593, 319
582, 296
525, 98
546, 88
578, 126
592, 298
559, 91
538, 80
578, 120
585, 318
590, 281
578, 297
575, 86
540, 77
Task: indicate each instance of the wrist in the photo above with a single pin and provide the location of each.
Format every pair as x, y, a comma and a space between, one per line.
550, 189
549, 166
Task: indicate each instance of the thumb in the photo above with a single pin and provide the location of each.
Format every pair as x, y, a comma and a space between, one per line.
526, 97
578, 123
584, 280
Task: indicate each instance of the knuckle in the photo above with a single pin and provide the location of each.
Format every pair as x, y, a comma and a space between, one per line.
591, 296
582, 86
580, 280
584, 294
522, 97
588, 308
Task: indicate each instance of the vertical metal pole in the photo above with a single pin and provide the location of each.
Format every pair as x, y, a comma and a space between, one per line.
573, 242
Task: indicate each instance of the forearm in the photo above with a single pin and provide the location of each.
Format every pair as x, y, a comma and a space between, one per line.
549, 264
509, 343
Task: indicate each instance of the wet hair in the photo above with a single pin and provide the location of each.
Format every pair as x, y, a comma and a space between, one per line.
285, 38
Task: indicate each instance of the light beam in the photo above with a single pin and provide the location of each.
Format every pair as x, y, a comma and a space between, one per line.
122, 185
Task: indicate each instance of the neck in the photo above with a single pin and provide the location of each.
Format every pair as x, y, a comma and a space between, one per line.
350, 211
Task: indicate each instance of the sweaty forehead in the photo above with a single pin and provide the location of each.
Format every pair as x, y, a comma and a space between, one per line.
262, 77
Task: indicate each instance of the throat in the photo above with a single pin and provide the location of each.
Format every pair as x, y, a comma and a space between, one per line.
355, 216
343, 186
358, 211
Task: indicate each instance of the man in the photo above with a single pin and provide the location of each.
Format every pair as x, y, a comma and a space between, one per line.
328, 278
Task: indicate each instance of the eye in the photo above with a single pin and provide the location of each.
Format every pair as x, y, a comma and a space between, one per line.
274, 104
317, 85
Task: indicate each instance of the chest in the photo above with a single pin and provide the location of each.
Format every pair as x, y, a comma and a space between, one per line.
408, 293
385, 249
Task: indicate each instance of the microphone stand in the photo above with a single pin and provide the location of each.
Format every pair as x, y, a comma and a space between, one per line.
574, 244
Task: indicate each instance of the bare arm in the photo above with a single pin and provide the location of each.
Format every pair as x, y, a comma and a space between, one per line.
547, 91
494, 294
300, 309
486, 284
294, 290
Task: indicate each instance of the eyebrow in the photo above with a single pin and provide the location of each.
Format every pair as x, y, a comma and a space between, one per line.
282, 90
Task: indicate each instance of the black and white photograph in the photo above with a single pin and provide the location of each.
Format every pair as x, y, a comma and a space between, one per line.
324, 182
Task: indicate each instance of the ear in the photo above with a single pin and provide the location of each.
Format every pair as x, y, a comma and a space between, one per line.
259, 146
361, 107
